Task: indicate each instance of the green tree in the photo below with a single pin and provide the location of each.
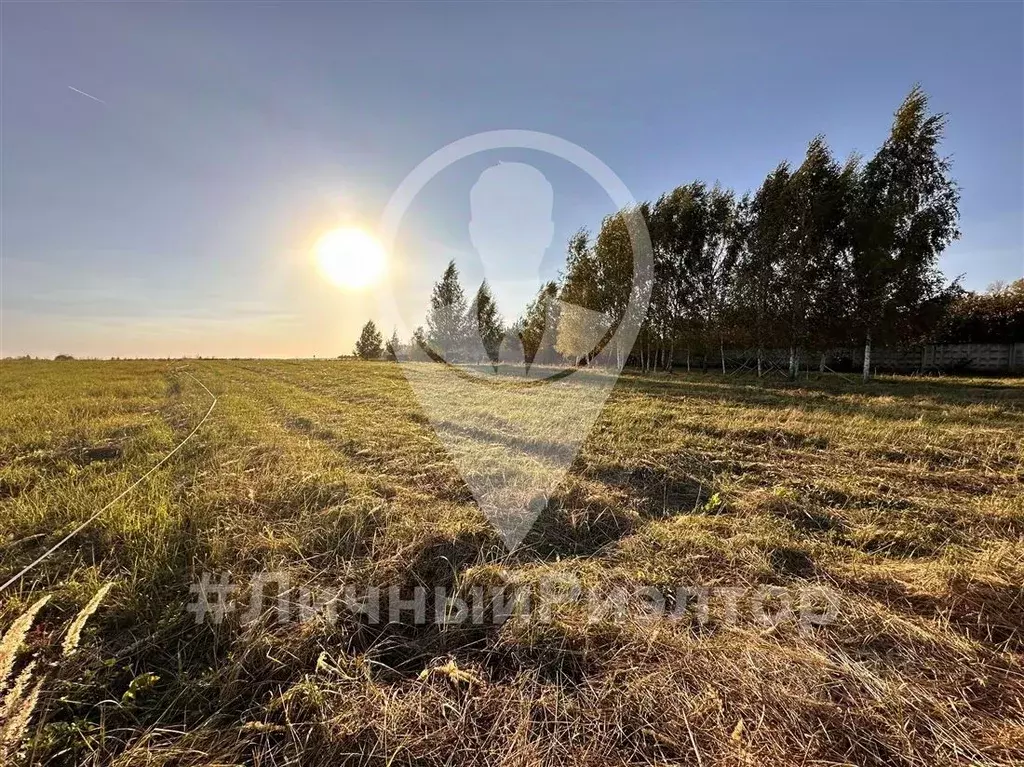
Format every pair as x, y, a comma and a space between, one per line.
581, 280
613, 257
679, 232
760, 226
539, 319
580, 291
995, 316
487, 322
512, 351
393, 346
811, 263
446, 319
673, 227
419, 347
906, 212
830, 317
370, 343
708, 266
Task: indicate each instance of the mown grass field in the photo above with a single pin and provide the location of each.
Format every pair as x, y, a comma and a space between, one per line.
904, 496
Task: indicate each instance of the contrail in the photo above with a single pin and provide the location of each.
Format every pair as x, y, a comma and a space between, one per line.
87, 95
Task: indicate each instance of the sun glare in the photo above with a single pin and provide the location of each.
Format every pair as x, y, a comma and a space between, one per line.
350, 257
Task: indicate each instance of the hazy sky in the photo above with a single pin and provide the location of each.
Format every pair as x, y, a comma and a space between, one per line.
175, 214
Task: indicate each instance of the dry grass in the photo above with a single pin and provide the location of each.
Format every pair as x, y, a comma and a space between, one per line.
904, 496
18, 699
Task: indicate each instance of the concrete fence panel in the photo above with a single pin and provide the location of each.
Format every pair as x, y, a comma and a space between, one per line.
983, 358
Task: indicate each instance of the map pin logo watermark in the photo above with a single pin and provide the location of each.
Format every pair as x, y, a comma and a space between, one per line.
513, 418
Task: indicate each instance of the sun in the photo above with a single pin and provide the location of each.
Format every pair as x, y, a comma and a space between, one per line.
350, 257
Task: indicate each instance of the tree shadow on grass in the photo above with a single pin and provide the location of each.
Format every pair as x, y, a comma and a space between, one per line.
985, 612
596, 508
835, 397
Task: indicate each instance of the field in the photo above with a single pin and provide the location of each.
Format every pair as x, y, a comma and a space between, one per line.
901, 498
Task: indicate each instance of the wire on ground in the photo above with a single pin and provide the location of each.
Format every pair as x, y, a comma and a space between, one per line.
49, 552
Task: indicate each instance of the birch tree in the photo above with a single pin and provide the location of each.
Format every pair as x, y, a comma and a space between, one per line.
678, 232
764, 243
708, 270
580, 291
537, 325
613, 257
812, 257
906, 213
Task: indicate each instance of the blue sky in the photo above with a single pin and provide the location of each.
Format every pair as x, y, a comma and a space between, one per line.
176, 215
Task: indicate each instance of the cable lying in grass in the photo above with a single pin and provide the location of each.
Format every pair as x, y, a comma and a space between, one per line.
53, 549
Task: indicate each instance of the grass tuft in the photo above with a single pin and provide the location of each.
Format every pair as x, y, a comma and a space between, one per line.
74, 633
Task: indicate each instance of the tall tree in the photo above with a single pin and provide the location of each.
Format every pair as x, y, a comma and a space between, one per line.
767, 231
906, 213
580, 291
538, 323
813, 257
446, 319
369, 346
486, 322
708, 271
581, 280
419, 347
613, 258
678, 230
393, 346
829, 321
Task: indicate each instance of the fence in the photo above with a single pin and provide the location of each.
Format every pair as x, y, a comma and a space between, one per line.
981, 358
984, 358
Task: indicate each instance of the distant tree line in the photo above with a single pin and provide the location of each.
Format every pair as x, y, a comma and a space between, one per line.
460, 330
823, 256
371, 344
993, 317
